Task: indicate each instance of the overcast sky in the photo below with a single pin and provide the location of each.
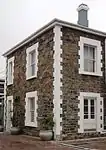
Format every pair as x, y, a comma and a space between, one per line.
20, 18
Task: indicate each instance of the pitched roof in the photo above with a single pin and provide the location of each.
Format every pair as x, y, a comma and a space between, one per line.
50, 25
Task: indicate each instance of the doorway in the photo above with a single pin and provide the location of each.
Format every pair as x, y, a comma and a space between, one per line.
90, 114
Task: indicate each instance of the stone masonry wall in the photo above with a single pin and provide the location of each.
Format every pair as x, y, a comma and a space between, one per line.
43, 84
73, 82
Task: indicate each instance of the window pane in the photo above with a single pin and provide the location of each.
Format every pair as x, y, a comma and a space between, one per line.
1, 90
85, 108
91, 65
89, 58
10, 72
32, 109
85, 51
32, 103
1, 85
32, 55
92, 109
32, 116
86, 116
85, 57
32, 63
1, 100
92, 116
85, 64
91, 52
86, 102
32, 69
10, 67
92, 102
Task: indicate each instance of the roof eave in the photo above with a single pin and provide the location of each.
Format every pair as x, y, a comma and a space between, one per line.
50, 25
31, 37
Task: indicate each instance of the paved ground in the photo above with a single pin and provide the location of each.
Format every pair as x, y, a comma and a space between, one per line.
89, 144
8, 142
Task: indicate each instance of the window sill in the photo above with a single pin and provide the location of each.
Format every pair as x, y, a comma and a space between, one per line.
30, 124
32, 77
9, 84
90, 73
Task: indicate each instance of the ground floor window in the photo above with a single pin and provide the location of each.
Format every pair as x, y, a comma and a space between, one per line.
31, 109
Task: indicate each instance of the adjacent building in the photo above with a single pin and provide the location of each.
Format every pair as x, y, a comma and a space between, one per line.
2, 82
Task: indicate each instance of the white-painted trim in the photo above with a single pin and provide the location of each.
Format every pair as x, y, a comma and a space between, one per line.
27, 118
28, 51
10, 60
81, 112
57, 92
98, 46
9, 98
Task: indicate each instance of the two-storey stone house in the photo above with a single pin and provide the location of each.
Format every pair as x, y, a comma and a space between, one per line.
59, 70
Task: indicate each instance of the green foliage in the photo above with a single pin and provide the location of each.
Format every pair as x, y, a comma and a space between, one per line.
18, 113
17, 99
48, 123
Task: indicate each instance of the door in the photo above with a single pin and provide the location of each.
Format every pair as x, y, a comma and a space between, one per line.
90, 114
9, 113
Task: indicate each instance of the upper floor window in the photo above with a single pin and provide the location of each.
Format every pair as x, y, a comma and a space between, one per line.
32, 66
90, 57
32, 61
10, 71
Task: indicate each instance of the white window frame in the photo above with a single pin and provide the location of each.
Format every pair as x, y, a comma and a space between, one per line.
9, 98
95, 43
27, 114
28, 51
9, 61
81, 110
